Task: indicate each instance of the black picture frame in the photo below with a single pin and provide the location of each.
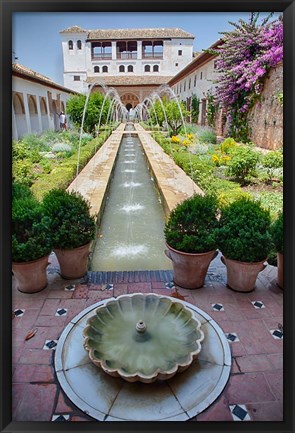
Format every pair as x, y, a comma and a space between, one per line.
8, 7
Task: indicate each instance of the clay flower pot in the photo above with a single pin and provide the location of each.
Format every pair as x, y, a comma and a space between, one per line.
189, 269
73, 263
31, 277
280, 259
241, 276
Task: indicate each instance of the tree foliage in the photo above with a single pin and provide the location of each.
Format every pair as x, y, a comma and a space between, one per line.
175, 114
75, 108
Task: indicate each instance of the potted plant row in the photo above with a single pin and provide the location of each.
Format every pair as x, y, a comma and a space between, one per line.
196, 229
61, 222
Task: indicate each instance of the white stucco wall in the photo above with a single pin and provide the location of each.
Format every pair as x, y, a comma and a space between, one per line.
25, 122
202, 81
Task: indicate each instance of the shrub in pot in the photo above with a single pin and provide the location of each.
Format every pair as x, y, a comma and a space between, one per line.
191, 238
277, 232
31, 244
245, 241
73, 228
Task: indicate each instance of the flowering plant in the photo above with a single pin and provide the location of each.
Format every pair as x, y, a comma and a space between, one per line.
175, 139
245, 57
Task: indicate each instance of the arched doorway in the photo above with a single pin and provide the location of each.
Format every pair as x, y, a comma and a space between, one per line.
33, 113
55, 115
44, 114
130, 100
19, 111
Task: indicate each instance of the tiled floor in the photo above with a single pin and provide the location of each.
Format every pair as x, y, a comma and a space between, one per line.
252, 323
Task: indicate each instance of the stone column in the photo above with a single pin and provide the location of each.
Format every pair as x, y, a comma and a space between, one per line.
114, 50
27, 113
39, 113
139, 50
14, 126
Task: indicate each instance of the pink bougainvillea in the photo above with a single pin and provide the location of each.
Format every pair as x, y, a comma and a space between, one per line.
244, 58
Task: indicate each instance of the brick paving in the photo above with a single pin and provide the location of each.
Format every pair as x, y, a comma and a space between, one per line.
252, 322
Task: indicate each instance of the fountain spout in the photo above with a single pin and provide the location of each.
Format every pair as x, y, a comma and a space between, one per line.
140, 326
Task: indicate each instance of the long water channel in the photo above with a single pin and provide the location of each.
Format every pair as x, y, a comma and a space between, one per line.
131, 234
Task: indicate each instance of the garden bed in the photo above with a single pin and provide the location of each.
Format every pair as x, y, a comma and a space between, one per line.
49, 160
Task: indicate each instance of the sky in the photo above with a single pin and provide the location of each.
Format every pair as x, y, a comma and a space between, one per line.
36, 40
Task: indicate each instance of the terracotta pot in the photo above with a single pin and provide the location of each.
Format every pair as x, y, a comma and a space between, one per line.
280, 258
189, 269
241, 276
73, 263
31, 277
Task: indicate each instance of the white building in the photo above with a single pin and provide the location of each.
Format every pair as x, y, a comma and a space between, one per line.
197, 78
36, 100
124, 57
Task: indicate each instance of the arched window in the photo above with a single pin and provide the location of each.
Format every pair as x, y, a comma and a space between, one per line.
147, 68
18, 104
156, 68
130, 68
104, 69
70, 45
43, 106
121, 68
96, 68
32, 104
79, 45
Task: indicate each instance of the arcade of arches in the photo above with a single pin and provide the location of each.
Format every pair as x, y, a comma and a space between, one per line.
131, 96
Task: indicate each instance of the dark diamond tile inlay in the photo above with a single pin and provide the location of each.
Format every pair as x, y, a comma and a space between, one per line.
60, 418
277, 333
18, 312
231, 337
170, 285
70, 287
217, 307
61, 312
239, 412
51, 344
258, 304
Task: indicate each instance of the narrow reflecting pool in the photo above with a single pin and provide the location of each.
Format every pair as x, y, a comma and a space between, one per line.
131, 234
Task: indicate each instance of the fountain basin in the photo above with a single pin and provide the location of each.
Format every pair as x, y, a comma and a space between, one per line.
143, 337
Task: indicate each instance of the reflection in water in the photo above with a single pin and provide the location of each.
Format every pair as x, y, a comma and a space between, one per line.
131, 235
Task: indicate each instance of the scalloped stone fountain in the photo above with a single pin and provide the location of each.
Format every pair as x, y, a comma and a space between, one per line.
143, 337
107, 352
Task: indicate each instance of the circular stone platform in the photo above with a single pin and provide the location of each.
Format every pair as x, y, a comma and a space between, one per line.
106, 398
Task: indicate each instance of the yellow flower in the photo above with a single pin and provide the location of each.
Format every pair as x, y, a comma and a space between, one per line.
215, 158
175, 139
190, 136
225, 158
186, 142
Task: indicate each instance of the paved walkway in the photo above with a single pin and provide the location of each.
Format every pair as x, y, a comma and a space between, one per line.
252, 323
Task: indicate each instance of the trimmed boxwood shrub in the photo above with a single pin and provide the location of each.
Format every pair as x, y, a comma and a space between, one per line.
20, 191
277, 232
244, 231
71, 224
192, 225
31, 236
